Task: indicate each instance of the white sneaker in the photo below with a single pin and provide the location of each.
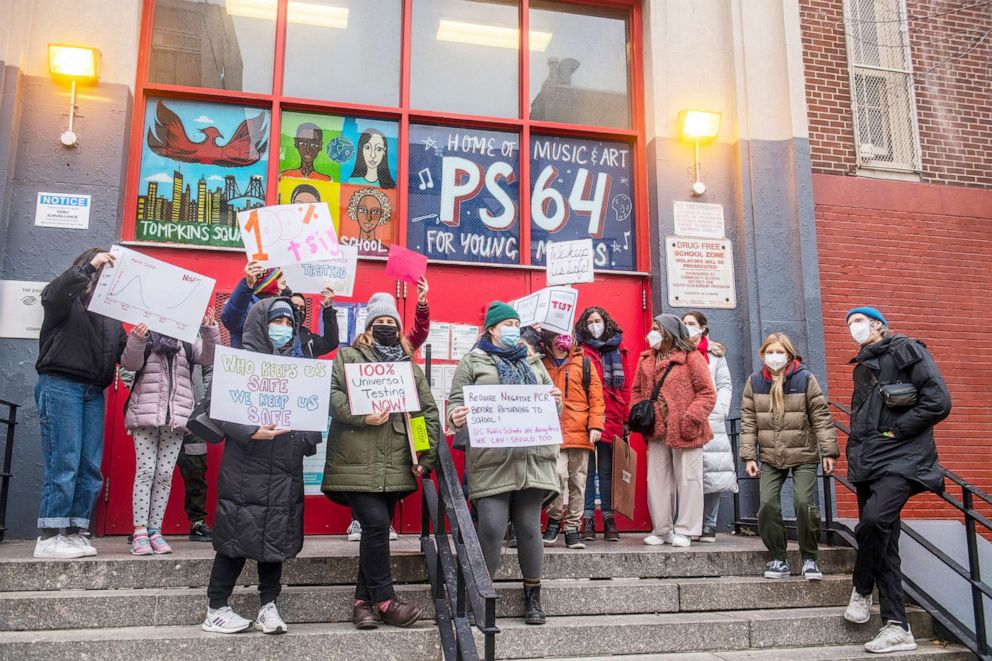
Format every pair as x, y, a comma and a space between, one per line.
393, 536
892, 638
268, 620
57, 548
680, 541
658, 540
225, 620
354, 531
859, 608
811, 572
81, 542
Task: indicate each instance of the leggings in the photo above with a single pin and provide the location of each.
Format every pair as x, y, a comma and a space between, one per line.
226, 571
523, 508
155, 451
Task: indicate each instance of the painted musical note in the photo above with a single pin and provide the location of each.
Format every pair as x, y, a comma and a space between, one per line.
424, 185
626, 240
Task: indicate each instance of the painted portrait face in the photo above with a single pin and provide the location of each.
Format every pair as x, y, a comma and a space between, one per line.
369, 213
304, 197
373, 152
308, 142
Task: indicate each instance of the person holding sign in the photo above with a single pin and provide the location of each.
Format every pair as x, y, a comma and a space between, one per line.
374, 458
311, 344
77, 353
258, 284
507, 484
259, 491
673, 376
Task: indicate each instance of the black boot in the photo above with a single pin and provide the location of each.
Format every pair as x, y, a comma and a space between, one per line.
610, 529
533, 613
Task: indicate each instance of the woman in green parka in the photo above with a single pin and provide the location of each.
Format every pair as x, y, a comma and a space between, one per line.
369, 466
507, 484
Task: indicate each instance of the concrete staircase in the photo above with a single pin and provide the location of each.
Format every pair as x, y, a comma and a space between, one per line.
627, 600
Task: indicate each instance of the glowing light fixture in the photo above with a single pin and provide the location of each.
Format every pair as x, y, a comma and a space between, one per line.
307, 13
698, 127
76, 64
478, 34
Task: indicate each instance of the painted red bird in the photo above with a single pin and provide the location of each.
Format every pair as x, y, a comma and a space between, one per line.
245, 147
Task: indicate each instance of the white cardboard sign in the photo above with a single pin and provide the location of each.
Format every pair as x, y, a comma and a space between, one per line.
259, 389
377, 387
698, 219
700, 273
553, 308
286, 234
337, 273
501, 416
141, 289
570, 262
21, 313
65, 211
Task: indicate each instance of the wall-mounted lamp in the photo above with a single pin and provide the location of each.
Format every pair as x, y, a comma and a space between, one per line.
76, 64
698, 127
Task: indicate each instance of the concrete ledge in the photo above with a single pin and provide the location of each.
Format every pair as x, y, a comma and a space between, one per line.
821, 626
745, 593
927, 651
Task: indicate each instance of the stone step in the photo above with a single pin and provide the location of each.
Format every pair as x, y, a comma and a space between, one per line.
927, 650
80, 609
333, 561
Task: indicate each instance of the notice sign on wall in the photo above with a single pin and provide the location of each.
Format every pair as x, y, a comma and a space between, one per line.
501, 416
21, 313
698, 219
64, 211
700, 273
377, 387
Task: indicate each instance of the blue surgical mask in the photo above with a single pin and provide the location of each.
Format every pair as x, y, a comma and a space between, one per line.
509, 336
280, 335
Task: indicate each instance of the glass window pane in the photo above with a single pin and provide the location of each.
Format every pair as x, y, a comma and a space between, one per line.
201, 163
466, 57
579, 65
222, 44
348, 162
464, 195
583, 189
344, 50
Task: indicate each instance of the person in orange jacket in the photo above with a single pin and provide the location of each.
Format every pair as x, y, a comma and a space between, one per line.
583, 416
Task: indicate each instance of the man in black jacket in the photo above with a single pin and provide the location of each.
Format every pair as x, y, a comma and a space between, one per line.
891, 457
312, 344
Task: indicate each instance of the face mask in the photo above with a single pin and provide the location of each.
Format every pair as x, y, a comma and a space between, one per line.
509, 336
385, 335
776, 361
654, 339
287, 292
860, 331
694, 332
596, 330
563, 342
280, 335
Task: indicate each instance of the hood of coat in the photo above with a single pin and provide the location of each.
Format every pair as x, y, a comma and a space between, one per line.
717, 349
870, 353
256, 333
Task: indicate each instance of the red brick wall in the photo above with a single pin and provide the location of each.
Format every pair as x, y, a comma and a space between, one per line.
953, 89
923, 255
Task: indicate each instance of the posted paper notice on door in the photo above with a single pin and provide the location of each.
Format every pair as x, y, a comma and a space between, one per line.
502, 416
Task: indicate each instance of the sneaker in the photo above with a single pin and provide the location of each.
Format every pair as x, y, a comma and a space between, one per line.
224, 620
393, 536
354, 531
777, 569
159, 545
658, 540
82, 543
708, 536
573, 541
141, 545
57, 548
859, 608
268, 620
892, 638
588, 529
552, 532
680, 541
610, 533
810, 571
200, 532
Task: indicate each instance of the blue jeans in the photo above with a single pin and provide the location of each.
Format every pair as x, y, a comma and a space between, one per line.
71, 415
601, 460
711, 509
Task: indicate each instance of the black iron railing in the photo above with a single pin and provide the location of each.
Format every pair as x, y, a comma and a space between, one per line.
978, 640
460, 584
10, 421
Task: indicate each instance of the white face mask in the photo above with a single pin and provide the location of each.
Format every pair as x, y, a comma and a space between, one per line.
694, 332
860, 331
654, 339
596, 330
776, 361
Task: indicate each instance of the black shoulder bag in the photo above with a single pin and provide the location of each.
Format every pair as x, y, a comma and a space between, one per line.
641, 418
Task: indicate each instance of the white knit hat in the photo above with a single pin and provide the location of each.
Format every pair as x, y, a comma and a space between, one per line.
382, 305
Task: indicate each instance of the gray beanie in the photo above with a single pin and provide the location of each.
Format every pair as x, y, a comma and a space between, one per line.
673, 325
382, 305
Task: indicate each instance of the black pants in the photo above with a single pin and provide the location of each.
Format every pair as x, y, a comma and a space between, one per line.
880, 503
374, 511
193, 468
225, 574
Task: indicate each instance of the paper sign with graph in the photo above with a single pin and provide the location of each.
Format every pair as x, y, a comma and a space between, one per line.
139, 289
287, 234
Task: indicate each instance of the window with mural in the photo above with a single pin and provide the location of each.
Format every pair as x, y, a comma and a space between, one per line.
478, 144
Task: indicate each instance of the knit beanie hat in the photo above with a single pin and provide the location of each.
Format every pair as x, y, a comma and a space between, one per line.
673, 325
281, 309
499, 311
871, 313
268, 282
382, 305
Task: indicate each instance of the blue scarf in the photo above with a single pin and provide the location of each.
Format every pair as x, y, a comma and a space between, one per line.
511, 364
612, 360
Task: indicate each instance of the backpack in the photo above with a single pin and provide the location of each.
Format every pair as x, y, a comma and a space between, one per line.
130, 377
586, 376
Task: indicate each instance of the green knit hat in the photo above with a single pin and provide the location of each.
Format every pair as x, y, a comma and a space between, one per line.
499, 311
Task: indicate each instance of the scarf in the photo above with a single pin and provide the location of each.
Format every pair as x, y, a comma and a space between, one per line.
393, 354
163, 344
511, 364
612, 360
704, 348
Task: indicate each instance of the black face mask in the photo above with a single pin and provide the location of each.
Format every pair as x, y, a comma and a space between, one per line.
387, 336
287, 292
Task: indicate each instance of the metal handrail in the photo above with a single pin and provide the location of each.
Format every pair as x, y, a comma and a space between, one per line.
10, 421
460, 583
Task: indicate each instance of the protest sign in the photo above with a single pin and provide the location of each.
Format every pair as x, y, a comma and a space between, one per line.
553, 308
260, 389
287, 234
140, 289
570, 262
501, 416
405, 264
377, 387
337, 273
